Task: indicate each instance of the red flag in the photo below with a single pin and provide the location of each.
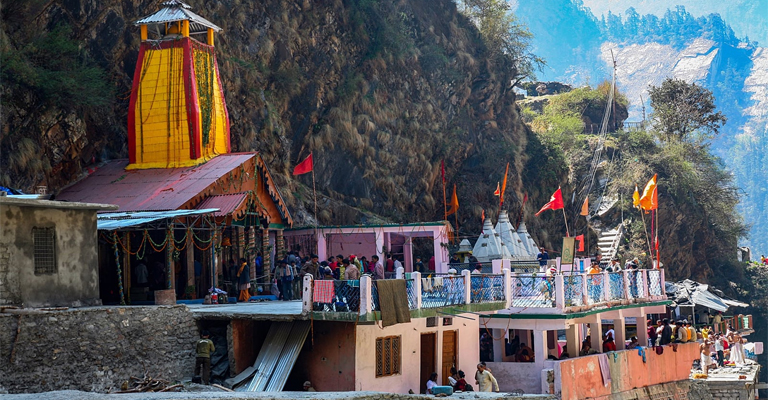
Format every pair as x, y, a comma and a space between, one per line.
305, 166
525, 198
555, 202
498, 191
483, 216
580, 239
442, 169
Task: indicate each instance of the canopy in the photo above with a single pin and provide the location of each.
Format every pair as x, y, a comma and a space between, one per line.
120, 220
690, 293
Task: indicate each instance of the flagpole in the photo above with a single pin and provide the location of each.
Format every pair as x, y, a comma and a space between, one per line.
656, 238
567, 232
647, 239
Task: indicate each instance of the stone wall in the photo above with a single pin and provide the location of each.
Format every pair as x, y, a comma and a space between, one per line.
738, 390
94, 349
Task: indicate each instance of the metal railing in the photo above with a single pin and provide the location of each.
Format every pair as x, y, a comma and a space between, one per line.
654, 283
486, 288
344, 298
441, 291
574, 290
533, 291
615, 286
595, 288
410, 288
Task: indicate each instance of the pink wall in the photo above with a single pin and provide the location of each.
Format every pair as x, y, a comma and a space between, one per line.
329, 362
468, 353
359, 244
580, 378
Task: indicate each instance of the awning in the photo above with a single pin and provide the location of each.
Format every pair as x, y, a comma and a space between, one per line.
734, 303
706, 299
120, 220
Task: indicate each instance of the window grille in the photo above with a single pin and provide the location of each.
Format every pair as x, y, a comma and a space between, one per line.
447, 321
431, 321
387, 356
44, 250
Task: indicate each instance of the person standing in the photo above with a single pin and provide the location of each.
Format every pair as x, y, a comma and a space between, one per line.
204, 348
418, 266
287, 282
720, 349
311, 267
244, 282
352, 273
398, 264
666, 333
542, 257
485, 380
390, 263
378, 270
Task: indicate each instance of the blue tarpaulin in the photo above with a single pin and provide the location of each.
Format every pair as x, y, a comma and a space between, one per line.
120, 220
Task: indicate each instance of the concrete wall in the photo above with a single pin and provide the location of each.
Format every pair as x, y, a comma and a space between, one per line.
76, 282
94, 349
580, 378
329, 362
468, 353
527, 376
359, 244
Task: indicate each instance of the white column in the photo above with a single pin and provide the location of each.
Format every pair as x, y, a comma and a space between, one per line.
644, 283
559, 292
507, 287
416, 276
584, 288
322, 246
366, 303
596, 330
467, 286
380, 244
498, 345
606, 286
620, 329
540, 346
438, 250
642, 328
306, 294
399, 273
663, 282
572, 340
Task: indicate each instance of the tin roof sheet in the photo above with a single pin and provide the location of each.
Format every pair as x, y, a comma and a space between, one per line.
178, 11
120, 220
226, 204
157, 189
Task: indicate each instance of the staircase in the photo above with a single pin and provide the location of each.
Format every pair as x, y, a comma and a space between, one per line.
608, 242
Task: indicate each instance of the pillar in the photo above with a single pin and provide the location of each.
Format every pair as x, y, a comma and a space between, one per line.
144, 35
606, 287
306, 294
620, 329
642, 328
210, 37
169, 248
399, 273
216, 258
366, 304
507, 288
467, 286
322, 245
540, 346
266, 256
438, 250
498, 345
408, 254
596, 330
416, 276
191, 260
379, 244
185, 28
572, 340
559, 292
280, 245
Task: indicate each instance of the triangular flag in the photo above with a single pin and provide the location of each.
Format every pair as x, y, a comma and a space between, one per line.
555, 202
636, 198
454, 202
305, 166
580, 239
482, 216
585, 207
649, 199
498, 190
504, 186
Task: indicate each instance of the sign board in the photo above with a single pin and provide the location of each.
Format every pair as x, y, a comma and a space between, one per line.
569, 247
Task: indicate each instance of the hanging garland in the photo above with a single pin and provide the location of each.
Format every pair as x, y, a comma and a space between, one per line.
119, 269
204, 75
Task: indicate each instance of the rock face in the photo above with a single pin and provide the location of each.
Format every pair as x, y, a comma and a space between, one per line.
380, 92
95, 349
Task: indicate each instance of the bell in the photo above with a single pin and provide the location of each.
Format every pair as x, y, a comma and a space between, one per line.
225, 242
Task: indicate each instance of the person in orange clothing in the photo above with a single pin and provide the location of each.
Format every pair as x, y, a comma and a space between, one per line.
243, 280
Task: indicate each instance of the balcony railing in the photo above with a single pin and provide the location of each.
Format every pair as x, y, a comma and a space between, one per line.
559, 293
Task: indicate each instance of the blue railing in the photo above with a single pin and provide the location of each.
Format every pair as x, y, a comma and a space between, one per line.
654, 283
487, 288
411, 290
344, 298
595, 288
574, 290
615, 285
537, 291
441, 291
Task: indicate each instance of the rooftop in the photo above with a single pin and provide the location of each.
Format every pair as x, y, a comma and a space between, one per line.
267, 310
29, 202
175, 10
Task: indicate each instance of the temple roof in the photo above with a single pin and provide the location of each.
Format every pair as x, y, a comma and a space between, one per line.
175, 10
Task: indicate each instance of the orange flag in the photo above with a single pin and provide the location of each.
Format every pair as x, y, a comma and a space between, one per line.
650, 198
498, 190
555, 202
454, 202
504, 186
585, 207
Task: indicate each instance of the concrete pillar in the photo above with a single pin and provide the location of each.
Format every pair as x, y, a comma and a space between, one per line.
366, 303
280, 245
379, 244
408, 254
266, 253
643, 283
416, 276
606, 286
584, 288
596, 330
540, 346
306, 294
663, 282
507, 287
559, 292
642, 328
498, 345
620, 329
399, 273
438, 250
627, 288
467, 286
572, 340
322, 246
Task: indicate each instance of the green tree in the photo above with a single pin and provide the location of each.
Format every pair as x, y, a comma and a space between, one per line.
504, 35
684, 111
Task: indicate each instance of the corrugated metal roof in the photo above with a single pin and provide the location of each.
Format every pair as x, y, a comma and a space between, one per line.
289, 355
178, 11
227, 204
269, 355
120, 220
157, 189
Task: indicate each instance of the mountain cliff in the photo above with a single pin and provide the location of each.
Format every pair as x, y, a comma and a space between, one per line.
380, 92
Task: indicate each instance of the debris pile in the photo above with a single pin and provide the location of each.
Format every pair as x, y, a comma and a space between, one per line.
147, 384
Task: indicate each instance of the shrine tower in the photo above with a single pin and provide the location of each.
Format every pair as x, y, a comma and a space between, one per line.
177, 115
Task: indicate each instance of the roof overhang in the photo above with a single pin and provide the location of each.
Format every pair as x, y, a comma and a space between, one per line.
122, 220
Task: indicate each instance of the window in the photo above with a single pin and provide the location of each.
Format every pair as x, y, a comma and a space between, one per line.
387, 356
44, 250
431, 321
447, 321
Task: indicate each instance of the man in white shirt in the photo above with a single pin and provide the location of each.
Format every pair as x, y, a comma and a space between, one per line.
398, 264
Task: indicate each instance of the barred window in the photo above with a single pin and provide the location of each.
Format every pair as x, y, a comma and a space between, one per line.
387, 356
44, 250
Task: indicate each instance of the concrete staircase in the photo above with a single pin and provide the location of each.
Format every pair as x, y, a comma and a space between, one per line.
608, 242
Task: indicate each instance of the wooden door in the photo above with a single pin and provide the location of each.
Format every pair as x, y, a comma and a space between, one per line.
449, 354
428, 359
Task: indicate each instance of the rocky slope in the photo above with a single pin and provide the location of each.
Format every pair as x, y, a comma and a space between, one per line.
379, 91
